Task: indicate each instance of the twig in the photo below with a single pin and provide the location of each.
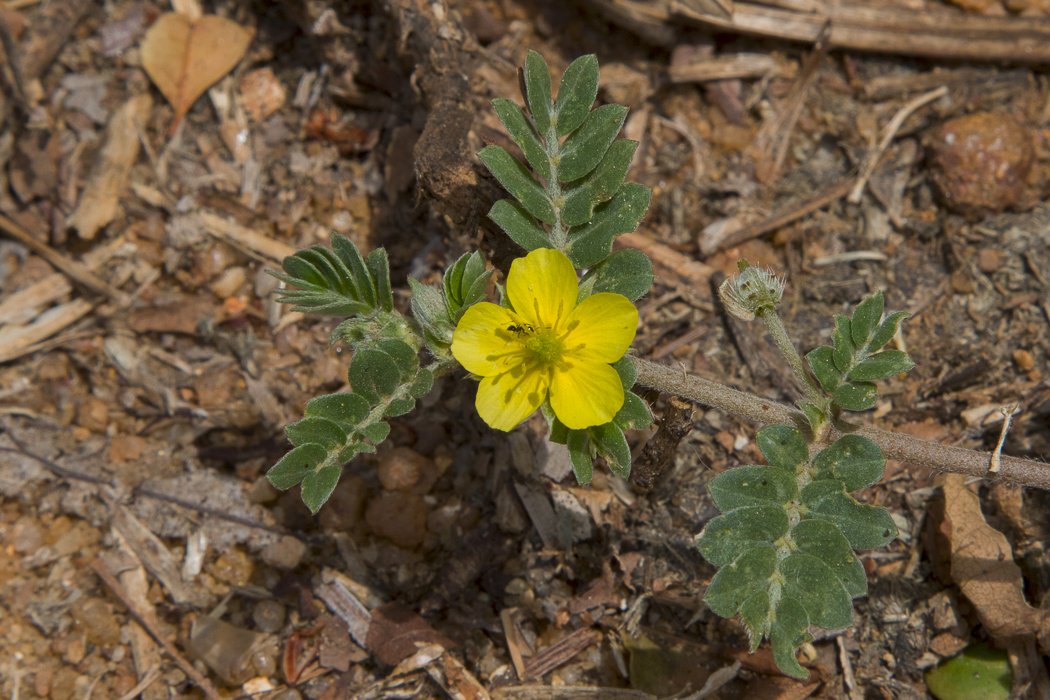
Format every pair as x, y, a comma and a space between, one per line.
1008, 416
14, 60
189, 669
888, 133
921, 453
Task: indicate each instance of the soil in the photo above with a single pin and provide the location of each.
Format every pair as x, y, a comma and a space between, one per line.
146, 371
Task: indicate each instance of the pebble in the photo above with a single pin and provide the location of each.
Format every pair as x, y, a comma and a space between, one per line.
268, 615
285, 553
229, 282
27, 536
233, 566
126, 448
981, 161
1024, 360
989, 260
400, 517
97, 620
400, 469
343, 510
93, 414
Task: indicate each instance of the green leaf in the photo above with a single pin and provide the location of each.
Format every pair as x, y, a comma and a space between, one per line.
787, 634
465, 283
323, 284
752, 485
854, 460
518, 225
600, 186
376, 432
887, 329
978, 673
403, 354
855, 396
578, 444
399, 407
316, 430
351, 450
517, 180
866, 317
521, 131
422, 384
318, 487
344, 408
592, 242
627, 371
823, 540
295, 465
429, 309
634, 414
585, 148
754, 611
728, 536
379, 267
628, 272
537, 79
814, 584
881, 365
576, 93
783, 446
842, 341
866, 527
821, 361
815, 416
374, 375
738, 581
612, 444
361, 277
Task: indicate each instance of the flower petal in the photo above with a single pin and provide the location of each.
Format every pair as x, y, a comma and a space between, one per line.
482, 343
601, 328
586, 394
509, 398
542, 287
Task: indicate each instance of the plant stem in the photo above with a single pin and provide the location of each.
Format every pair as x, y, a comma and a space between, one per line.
783, 342
559, 236
912, 450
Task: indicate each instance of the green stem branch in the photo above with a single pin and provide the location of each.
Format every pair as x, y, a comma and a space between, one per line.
782, 340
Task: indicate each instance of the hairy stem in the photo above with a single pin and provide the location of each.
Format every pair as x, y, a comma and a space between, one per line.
912, 450
783, 342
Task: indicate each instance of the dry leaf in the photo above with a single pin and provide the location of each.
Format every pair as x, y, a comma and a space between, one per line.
982, 565
184, 57
262, 93
99, 201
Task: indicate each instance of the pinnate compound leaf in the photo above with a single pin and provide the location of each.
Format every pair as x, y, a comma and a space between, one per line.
517, 180
374, 375
578, 444
360, 276
728, 536
853, 459
887, 329
592, 242
611, 444
628, 272
586, 147
752, 485
294, 466
812, 582
855, 396
738, 581
345, 408
316, 430
881, 365
537, 78
823, 540
783, 446
518, 225
634, 414
787, 634
866, 317
184, 56
600, 186
821, 361
521, 131
318, 486
864, 526
576, 93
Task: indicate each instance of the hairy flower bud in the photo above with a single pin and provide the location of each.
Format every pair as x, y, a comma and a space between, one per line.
751, 291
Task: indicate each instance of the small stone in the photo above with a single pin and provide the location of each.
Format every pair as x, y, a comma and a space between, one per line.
97, 620
64, 684
343, 510
262, 491
961, 282
229, 282
400, 469
989, 260
1024, 360
27, 536
947, 644
93, 414
400, 517
233, 567
126, 448
285, 553
268, 615
981, 161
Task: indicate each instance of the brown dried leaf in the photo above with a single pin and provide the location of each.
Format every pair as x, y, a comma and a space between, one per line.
396, 631
184, 56
982, 565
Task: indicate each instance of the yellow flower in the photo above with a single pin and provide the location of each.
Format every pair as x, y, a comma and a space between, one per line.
546, 344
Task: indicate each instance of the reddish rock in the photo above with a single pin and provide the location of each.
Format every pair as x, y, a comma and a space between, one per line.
980, 161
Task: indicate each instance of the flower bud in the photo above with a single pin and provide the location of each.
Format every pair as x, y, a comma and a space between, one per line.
751, 291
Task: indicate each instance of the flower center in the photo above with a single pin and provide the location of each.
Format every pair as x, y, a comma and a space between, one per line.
544, 345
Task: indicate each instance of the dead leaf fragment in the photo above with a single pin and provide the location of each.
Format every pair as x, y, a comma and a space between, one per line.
99, 203
184, 56
262, 93
982, 565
